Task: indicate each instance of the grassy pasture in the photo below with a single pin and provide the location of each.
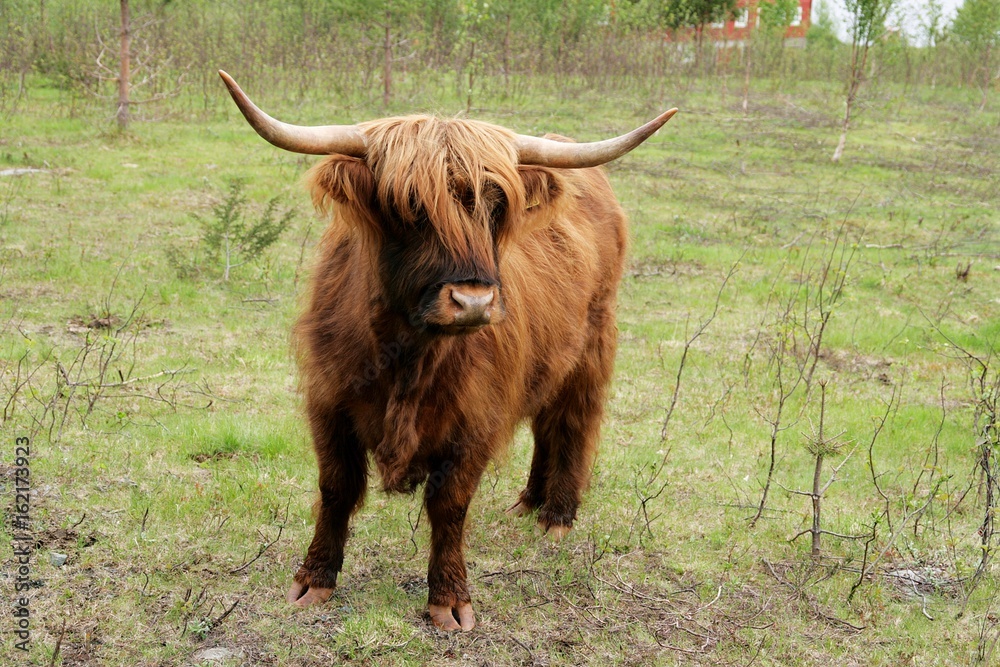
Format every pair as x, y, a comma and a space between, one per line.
180, 481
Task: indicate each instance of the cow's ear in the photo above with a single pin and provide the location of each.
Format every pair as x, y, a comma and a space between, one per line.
542, 187
344, 180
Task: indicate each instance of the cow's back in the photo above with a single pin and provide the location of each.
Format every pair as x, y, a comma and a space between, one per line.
561, 283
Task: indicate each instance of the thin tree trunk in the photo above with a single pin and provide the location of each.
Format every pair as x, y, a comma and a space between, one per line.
987, 76
817, 530
843, 134
698, 44
438, 41
859, 58
387, 67
746, 74
845, 125
506, 57
124, 62
817, 490
472, 77
225, 274
42, 28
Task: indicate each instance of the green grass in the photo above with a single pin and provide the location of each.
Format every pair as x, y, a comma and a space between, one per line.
162, 498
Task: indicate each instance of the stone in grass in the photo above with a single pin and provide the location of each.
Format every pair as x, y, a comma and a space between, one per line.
57, 559
20, 172
216, 654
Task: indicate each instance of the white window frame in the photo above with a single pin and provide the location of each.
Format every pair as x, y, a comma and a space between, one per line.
797, 21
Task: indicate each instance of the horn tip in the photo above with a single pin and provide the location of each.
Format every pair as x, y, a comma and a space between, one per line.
653, 126
233, 88
668, 114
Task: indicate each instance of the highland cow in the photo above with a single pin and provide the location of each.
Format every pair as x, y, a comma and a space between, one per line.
466, 282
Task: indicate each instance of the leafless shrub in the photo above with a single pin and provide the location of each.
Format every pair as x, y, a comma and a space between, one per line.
821, 445
790, 337
911, 508
48, 389
984, 394
651, 487
19, 367
10, 188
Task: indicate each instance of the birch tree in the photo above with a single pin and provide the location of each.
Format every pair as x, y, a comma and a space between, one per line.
866, 21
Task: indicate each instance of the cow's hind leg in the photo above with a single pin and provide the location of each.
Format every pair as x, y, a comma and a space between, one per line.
533, 495
566, 433
343, 476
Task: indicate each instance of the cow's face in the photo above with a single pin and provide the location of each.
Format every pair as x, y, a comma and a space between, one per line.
441, 267
437, 201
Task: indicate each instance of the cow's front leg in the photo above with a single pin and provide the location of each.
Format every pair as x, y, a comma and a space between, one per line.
447, 495
343, 477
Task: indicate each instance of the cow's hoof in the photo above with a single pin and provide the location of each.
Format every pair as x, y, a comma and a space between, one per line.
555, 533
449, 619
520, 508
303, 596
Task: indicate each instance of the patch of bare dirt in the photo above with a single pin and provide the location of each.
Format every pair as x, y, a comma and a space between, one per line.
63, 539
201, 457
868, 367
650, 267
81, 324
803, 117
7, 471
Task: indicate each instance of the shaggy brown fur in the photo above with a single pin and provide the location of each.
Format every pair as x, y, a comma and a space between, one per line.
440, 206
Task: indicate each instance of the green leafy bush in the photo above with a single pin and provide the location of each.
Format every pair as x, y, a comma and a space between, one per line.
230, 238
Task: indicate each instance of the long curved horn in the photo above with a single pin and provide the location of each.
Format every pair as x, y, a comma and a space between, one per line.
318, 140
563, 155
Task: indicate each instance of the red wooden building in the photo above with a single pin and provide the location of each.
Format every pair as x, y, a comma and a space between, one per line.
747, 19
